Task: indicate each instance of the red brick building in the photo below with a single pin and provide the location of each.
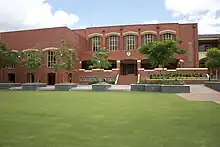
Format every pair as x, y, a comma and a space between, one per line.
121, 41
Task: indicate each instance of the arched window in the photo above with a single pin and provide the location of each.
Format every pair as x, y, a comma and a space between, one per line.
113, 43
167, 36
96, 43
130, 42
148, 38
51, 60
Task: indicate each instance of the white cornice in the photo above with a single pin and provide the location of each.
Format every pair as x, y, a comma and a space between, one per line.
148, 32
130, 33
95, 34
112, 33
167, 31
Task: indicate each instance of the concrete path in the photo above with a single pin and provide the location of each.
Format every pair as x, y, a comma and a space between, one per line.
201, 93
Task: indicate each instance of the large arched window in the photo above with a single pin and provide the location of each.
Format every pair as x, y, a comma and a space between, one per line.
147, 38
167, 36
113, 43
51, 60
130, 42
96, 43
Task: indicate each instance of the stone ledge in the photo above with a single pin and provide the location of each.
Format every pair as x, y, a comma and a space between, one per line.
32, 86
9, 85
64, 86
175, 88
213, 85
100, 87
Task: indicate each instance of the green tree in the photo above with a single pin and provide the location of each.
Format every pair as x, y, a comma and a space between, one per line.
160, 53
32, 60
213, 59
100, 60
65, 59
7, 58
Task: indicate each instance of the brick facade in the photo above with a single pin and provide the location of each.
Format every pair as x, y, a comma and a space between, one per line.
46, 39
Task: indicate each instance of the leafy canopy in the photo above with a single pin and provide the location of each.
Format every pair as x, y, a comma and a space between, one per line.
161, 52
32, 59
7, 57
100, 59
213, 58
65, 58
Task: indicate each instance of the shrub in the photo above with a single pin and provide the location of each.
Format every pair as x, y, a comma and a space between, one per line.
163, 82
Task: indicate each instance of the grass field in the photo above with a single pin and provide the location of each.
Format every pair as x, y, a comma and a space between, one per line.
108, 119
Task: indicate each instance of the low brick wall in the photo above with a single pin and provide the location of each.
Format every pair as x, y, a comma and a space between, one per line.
213, 85
146, 73
85, 76
9, 85
175, 88
161, 88
100, 87
64, 86
186, 81
32, 86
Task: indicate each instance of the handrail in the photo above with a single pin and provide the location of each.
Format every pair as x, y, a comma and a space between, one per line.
139, 77
116, 80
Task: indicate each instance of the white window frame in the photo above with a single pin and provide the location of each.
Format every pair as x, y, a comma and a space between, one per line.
130, 42
113, 43
50, 58
148, 38
167, 36
96, 43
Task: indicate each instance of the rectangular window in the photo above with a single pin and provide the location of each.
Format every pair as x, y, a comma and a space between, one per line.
148, 38
167, 36
51, 60
130, 42
96, 43
113, 43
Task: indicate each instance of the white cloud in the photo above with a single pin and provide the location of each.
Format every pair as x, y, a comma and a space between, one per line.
204, 12
23, 14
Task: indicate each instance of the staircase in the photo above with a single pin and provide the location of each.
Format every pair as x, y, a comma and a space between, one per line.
127, 79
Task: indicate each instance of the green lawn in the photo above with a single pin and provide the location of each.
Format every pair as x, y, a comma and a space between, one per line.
108, 119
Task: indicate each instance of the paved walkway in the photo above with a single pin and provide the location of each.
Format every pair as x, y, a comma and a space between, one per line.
201, 93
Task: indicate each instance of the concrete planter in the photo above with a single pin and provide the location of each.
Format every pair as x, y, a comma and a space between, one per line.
175, 88
100, 87
153, 88
213, 85
32, 86
4, 86
137, 87
64, 86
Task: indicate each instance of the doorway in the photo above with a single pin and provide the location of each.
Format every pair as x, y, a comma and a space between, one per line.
11, 77
128, 67
31, 77
51, 78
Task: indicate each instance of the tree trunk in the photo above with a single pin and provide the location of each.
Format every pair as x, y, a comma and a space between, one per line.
216, 74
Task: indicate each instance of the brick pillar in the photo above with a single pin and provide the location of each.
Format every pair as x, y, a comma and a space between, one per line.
121, 40
104, 40
138, 64
139, 38
118, 62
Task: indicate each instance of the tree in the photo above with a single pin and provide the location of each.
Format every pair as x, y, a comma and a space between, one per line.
7, 58
213, 59
65, 58
161, 52
100, 60
32, 60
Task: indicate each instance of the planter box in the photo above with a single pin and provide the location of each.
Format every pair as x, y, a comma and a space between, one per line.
153, 88
175, 88
213, 85
137, 87
64, 86
32, 86
9, 85
100, 87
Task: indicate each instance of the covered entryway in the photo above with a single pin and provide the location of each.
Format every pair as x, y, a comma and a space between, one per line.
128, 67
31, 77
11, 77
51, 78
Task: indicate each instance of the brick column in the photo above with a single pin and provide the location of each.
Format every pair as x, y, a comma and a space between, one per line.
139, 38
138, 64
104, 41
121, 40
118, 64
